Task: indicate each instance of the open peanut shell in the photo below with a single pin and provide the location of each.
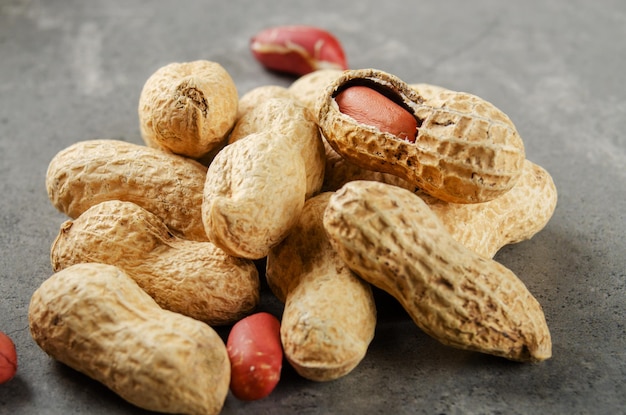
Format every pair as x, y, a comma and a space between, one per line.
466, 150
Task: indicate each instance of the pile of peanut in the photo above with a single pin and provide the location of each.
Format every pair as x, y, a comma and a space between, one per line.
342, 181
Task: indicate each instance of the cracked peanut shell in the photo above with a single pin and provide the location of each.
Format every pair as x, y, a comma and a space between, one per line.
391, 238
466, 150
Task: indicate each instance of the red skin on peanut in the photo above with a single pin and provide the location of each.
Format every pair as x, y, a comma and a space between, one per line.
297, 50
370, 107
8, 358
256, 356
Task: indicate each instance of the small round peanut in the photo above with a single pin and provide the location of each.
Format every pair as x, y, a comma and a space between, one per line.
370, 107
188, 108
8, 358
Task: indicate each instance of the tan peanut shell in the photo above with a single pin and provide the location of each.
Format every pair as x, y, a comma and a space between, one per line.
392, 239
308, 88
97, 320
188, 108
329, 317
466, 150
89, 172
196, 279
259, 95
339, 171
254, 192
513, 217
428, 91
293, 124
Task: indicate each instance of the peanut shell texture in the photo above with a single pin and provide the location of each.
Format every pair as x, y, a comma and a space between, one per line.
188, 108
392, 239
516, 216
196, 279
95, 319
92, 171
466, 150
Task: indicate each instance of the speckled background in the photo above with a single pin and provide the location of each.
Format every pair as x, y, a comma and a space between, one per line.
72, 70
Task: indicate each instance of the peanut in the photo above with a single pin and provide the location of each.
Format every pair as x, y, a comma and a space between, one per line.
97, 320
89, 172
196, 279
329, 316
392, 239
297, 50
256, 356
465, 151
255, 189
513, 217
368, 106
291, 122
8, 358
188, 108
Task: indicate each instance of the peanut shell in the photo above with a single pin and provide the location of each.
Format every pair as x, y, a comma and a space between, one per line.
391, 238
339, 171
329, 317
188, 108
254, 192
259, 95
196, 279
97, 320
308, 88
293, 124
89, 172
515, 216
466, 150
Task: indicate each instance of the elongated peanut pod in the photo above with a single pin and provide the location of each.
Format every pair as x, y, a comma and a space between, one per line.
97, 320
89, 172
329, 316
391, 238
196, 279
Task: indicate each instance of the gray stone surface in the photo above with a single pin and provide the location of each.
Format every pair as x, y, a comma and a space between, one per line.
72, 70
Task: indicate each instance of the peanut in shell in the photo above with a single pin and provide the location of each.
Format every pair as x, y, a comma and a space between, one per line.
188, 108
196, 279
329, 317
95, 319
392, 239
169, 186
466, 149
